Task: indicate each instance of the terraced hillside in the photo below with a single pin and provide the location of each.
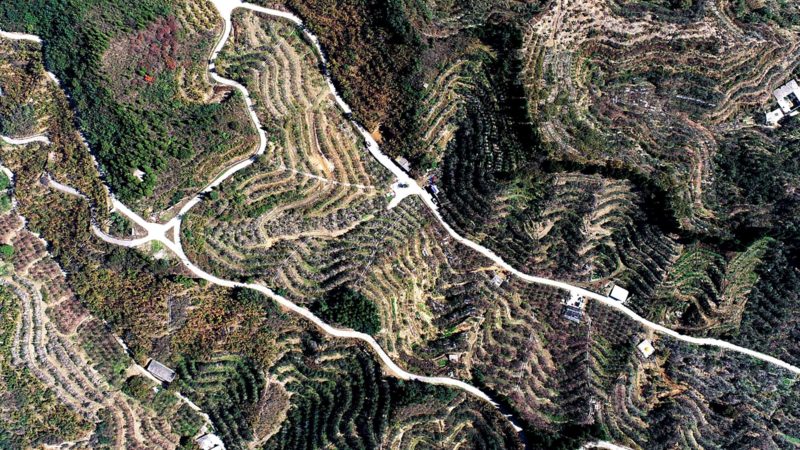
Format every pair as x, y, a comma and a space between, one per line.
30, 415
384, 55
443, 311
585, 81
683, 395
58, 343
223, 343
571, 382
680, 119
64, 366
314, 184
364, 410
308, 229
599, 141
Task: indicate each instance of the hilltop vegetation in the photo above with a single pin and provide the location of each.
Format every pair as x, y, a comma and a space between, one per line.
134, 79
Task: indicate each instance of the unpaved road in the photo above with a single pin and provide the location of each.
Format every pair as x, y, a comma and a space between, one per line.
26, 140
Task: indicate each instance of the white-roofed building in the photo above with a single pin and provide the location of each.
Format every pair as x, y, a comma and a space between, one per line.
498, 280
573, 307
210, 441
773, 117
619, 294
646, 348
788, 96
160, 371
576, 300
402, 162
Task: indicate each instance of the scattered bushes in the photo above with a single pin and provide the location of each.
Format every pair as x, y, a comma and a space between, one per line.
20, 122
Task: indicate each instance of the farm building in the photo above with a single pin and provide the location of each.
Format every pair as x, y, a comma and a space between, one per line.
160, 371
646, 348
498, 280
788, 96
573, 307
576, 300
572, 313
773, 117
619, 294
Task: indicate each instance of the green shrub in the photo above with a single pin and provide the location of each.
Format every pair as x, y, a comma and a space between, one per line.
349, 308
5, 203
137, 387
6, 251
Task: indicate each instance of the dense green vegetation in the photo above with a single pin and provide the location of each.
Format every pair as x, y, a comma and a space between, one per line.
784, 13
769, 321
73, 51
754, 173
358, 421
131, 125
6, 251
675, 4
373, 50
5, 182
350, 308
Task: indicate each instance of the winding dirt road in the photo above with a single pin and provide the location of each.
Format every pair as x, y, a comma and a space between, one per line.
20, 37
27, 140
